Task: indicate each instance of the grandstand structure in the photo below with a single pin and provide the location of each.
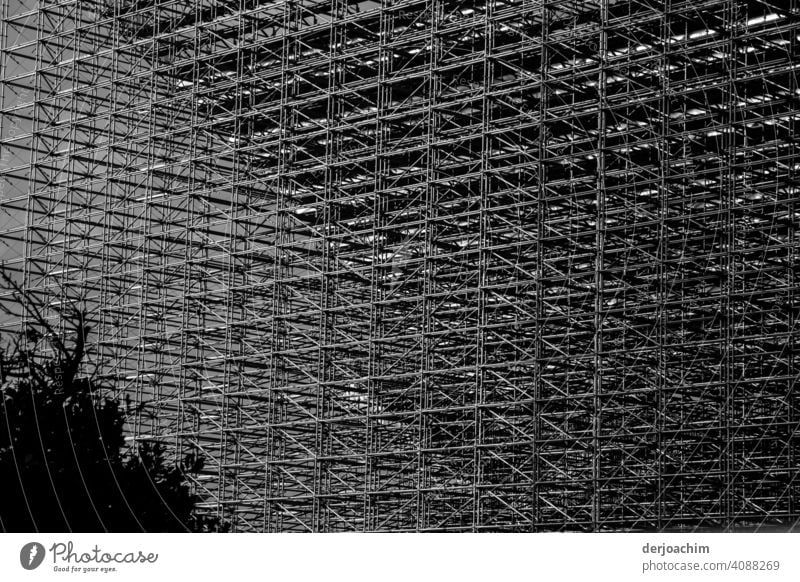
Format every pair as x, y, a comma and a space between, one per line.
501, 265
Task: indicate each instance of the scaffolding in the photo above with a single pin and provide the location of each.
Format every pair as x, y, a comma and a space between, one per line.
503, 265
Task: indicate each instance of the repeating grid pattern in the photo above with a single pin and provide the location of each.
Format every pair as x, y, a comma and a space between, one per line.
427, 265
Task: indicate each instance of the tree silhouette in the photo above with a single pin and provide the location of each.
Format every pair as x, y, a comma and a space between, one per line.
64, 463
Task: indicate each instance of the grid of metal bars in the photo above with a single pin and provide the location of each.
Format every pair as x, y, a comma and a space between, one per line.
427, 265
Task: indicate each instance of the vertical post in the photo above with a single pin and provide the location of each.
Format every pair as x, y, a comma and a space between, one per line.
662, 384
598, 266
541, 174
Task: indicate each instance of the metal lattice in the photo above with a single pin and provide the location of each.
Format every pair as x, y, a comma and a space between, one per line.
401, 265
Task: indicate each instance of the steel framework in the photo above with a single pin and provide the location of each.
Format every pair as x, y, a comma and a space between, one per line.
427, 265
